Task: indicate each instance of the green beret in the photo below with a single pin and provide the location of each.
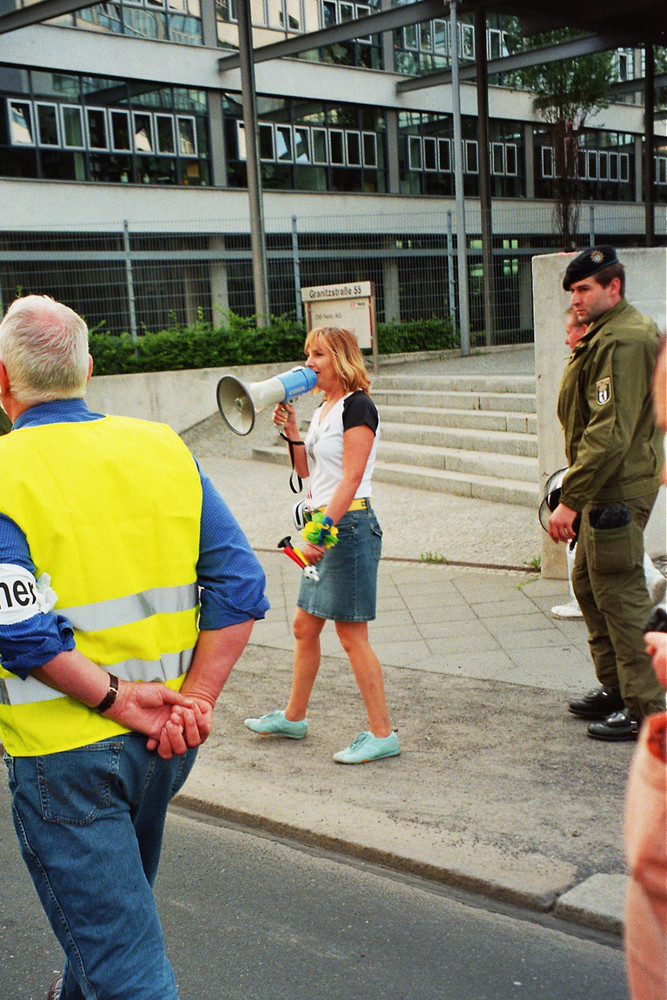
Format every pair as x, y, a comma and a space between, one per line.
587, 263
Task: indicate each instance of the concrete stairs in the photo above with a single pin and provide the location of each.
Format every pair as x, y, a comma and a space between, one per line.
472, 435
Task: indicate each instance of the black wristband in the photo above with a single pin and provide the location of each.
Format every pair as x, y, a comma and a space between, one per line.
110, 696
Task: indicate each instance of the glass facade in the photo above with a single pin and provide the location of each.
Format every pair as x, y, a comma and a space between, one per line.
604, 167
75, 127
426, 156
309, 145
70, 126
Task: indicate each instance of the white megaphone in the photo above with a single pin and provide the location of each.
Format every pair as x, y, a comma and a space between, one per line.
239, 403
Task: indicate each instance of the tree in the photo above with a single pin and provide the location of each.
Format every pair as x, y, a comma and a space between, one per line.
566, 93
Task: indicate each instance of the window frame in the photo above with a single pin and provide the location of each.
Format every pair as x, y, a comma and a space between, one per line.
188, 119
151, 138
115, 113
63, 128
105, 120
373, 139
38, 129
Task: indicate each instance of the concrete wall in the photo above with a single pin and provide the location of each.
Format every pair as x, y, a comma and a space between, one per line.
186, 398
646, 288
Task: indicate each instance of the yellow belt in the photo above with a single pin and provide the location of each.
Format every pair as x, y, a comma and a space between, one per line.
361, 503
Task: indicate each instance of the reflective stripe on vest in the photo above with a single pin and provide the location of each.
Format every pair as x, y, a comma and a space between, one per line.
135, 607
14, 691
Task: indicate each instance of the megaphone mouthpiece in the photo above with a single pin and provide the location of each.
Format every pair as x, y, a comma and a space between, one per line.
240, 403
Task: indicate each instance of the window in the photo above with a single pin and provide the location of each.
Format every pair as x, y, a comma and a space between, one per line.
470, 161
336, 147
612, 159
430, 154
369, 141
283, 143
495, 43
21, 131
72, 126
266, 147
511, 159
120, 131
444, 156
353, 144
497, 158
320, 146
143, 133
414, 152
441, 37
624, 164
603, 166
47, 124
625, 69
96, 120
301, 144
187, 140
164, 129
466, 41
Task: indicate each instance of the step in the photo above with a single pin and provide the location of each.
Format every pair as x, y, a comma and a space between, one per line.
466, 484
462, 484
446, 399
488, 420
456, 383
485, 463
468, 439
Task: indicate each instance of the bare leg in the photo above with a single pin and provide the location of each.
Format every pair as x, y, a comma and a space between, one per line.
368, 674
307, 629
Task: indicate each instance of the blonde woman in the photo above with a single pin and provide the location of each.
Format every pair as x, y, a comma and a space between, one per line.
337, 455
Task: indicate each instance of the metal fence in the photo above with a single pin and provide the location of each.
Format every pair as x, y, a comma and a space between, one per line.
138, 276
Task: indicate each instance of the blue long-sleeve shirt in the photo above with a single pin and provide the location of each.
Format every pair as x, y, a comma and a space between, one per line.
230, 578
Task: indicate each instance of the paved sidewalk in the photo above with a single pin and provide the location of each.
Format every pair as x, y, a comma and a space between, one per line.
497, 788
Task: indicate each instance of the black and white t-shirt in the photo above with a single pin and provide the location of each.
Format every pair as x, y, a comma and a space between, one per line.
324, 446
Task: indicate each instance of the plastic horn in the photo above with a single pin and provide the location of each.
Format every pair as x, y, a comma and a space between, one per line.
297, 556
239, 403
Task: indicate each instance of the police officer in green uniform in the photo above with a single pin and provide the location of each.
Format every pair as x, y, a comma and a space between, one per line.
614, 451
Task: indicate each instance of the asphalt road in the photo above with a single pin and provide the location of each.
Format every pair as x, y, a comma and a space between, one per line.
250, 918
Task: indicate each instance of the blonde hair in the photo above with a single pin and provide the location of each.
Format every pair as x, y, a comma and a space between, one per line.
348, 361
44, 347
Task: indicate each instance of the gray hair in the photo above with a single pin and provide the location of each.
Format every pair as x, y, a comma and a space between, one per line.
44, 347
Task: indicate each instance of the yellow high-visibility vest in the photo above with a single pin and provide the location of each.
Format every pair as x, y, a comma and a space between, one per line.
111, 509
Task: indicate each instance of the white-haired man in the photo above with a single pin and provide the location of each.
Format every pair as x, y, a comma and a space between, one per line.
127, 593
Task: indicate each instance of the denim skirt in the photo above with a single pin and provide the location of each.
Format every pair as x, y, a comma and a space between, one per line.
347, 588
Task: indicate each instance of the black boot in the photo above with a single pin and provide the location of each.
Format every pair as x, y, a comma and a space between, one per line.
598, 703
617, 726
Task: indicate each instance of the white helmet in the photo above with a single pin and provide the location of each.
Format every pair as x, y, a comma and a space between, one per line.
551, 497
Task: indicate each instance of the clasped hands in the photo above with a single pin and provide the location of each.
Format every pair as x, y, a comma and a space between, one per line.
172, 721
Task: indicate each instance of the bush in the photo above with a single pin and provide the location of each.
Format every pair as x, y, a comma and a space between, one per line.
240, 342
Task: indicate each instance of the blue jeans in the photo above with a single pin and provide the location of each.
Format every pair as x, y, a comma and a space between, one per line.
347, 588
90, 824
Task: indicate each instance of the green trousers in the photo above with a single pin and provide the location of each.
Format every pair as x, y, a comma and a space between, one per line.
609, 583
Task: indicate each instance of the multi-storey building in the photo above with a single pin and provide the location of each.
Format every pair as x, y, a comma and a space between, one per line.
120, 125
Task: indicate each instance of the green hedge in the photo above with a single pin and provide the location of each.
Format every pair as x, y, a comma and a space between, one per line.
241, 342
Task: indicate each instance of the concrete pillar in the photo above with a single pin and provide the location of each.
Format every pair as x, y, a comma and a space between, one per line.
391, 286
190, 294
219, 282
525, 293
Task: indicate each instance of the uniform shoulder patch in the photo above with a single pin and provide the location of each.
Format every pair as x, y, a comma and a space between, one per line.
603, 387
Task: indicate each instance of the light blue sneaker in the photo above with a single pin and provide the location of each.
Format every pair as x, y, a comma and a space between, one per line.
366, 747
275, 724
